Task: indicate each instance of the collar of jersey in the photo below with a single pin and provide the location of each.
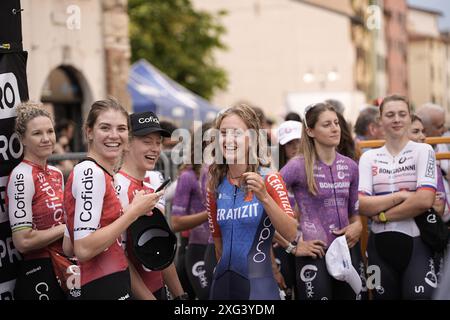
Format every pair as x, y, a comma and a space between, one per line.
31, 163
133, 179
93, 160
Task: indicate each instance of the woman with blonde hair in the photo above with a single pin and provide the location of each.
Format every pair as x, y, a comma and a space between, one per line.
245, 206
35, 203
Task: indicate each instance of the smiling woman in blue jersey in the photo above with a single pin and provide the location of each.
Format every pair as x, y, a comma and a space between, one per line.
245, 206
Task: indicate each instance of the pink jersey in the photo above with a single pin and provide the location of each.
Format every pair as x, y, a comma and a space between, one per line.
126, 187
35, 201
91, 203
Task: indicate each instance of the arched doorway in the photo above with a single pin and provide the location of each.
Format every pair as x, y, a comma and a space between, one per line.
64, 95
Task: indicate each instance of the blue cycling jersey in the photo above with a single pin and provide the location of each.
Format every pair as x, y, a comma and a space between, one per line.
246, 232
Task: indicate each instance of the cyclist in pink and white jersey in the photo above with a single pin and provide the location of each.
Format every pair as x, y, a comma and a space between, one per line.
35, 203
398, 182
141, 156
94, 213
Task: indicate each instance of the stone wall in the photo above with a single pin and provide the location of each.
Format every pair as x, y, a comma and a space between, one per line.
117, 49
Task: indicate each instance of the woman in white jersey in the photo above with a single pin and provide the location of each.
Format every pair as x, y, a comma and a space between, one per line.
134, 175
35, 202
95, 218
398, 182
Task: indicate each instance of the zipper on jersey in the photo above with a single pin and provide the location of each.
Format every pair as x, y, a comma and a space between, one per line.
232, 227
335, 198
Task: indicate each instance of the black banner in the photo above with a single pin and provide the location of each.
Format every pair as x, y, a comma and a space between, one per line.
13, 90
10, 26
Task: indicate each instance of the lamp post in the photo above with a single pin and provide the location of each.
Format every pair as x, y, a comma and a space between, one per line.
322, 78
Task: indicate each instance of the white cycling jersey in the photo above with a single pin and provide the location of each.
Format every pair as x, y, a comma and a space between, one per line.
412, 169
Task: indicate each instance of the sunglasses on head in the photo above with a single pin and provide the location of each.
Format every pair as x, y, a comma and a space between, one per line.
309, 108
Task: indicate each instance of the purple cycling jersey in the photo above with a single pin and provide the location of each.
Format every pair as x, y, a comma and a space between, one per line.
336, 199
189, 200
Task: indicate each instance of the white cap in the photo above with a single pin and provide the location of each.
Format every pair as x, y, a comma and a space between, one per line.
339, 264
288, 131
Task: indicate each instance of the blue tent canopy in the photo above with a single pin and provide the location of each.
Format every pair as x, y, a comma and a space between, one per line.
152, 90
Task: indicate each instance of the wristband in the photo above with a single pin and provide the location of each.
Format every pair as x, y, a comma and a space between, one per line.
382, 217
291, 246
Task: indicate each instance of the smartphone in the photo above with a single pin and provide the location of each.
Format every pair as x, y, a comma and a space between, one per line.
163, 185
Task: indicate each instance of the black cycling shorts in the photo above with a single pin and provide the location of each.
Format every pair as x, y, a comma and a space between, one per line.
36, 280
115, 286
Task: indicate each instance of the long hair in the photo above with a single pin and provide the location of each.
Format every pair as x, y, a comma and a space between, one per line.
347, 144
307, 144
217, 171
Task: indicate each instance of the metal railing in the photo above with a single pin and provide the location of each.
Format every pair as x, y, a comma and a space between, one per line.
430, 140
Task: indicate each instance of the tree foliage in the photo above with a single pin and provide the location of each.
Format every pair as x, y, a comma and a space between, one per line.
179, 41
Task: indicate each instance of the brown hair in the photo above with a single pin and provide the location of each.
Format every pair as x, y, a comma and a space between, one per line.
307, 146
394, 97
415, 117
26, 112
217, 171
101, 106
347, 145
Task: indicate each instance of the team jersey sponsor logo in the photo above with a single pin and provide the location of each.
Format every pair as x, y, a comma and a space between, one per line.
374, 171
278, 186
336, 185
307, 274
245, 211
431, 165
52, 201
87, 194
411, 167
342, 175
148, 119
402, 160
430, 277
263, 236
224, 196
198, 270
19, 196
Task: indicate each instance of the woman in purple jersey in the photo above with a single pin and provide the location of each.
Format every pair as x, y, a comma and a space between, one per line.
325, 185
189, 213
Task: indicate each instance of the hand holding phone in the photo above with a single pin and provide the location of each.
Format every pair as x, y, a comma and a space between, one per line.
163, 185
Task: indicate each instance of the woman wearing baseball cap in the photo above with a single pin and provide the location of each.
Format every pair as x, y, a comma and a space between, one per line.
289, 134
140, 157
95, 217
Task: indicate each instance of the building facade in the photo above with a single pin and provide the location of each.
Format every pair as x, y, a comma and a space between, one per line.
428, 59
78, 52
284, 54
395, 25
